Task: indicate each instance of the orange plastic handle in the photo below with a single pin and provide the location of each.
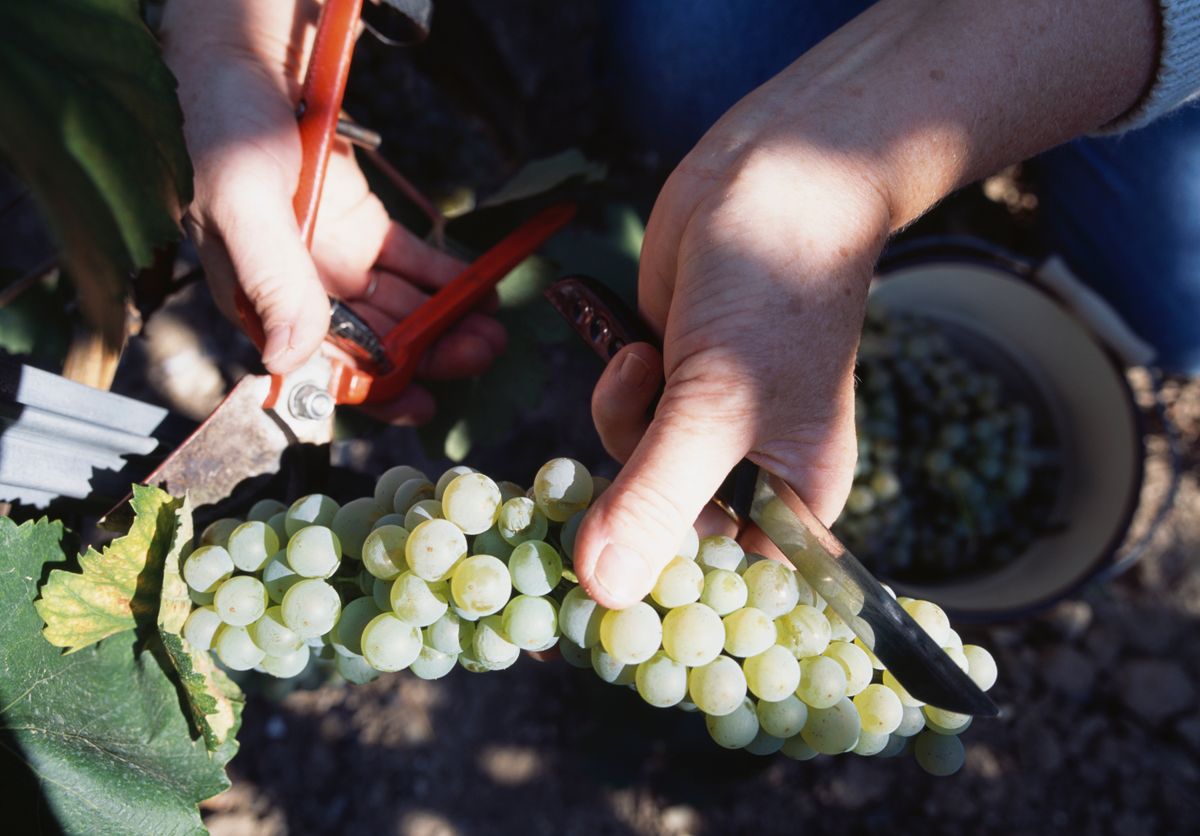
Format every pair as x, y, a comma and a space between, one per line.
321, 104
317, 117
413, 335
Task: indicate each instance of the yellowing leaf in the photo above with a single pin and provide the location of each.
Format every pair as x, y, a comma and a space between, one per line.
214, 700
116, 589
174, 603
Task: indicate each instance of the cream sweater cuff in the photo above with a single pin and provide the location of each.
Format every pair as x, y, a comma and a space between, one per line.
1178, 78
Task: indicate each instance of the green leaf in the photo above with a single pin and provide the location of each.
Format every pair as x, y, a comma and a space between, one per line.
609, 252
101, 730
93, 127
115, 590
544, 175
484, 410
213, 699
523, 309
35, 324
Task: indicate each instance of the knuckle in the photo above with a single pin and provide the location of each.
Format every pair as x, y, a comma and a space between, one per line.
275, 297
712, 403
646, 510
610, 415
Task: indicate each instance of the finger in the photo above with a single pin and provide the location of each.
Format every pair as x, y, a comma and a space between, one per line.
467, 349
395, 298
398, 298
404, 253
490, 303
545, 655
713, 521
379, 322
636, 525
818, 461
391, 294
275, 270
622, 397
218, 269
412, 407
457, 354
487, 328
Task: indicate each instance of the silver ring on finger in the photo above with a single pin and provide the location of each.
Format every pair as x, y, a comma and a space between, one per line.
372, 286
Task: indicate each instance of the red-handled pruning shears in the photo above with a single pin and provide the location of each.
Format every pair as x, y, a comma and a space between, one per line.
379, 369
262, 416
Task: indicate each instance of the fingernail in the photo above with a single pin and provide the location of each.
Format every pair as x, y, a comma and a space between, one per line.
634, 371
278, 342
619, 574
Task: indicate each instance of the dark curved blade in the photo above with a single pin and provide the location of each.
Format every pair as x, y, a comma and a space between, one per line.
923, 668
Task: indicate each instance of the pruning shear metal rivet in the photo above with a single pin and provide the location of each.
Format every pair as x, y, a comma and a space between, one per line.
311, 402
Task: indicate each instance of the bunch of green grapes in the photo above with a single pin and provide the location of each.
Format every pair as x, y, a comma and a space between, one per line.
468, 572
952, 476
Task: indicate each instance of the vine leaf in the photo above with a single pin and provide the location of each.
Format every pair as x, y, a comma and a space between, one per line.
93, 127
116, 589
544, 175
483, 411
33, 324
101, 730
608, 251
214, 700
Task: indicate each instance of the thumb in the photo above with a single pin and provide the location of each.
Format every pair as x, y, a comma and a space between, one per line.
636, 526
277, 274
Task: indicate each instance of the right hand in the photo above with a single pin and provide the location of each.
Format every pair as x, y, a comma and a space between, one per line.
239, 77
754, 271
760, 247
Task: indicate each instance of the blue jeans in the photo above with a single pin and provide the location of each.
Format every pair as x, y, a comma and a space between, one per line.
1123, 211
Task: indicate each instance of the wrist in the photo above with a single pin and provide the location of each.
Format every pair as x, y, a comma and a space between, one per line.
274, 34
921, 97
815, 216
797, 233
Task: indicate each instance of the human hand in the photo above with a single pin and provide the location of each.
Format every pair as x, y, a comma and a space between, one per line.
756, 281
239, 75
760, 247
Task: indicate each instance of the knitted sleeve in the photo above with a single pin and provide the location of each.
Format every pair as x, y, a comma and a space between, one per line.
1177, 80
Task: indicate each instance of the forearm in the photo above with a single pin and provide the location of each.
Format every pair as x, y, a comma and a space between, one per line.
276, 33
239, 68
918, 97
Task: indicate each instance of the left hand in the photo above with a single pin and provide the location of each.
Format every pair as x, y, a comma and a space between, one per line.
238, 69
